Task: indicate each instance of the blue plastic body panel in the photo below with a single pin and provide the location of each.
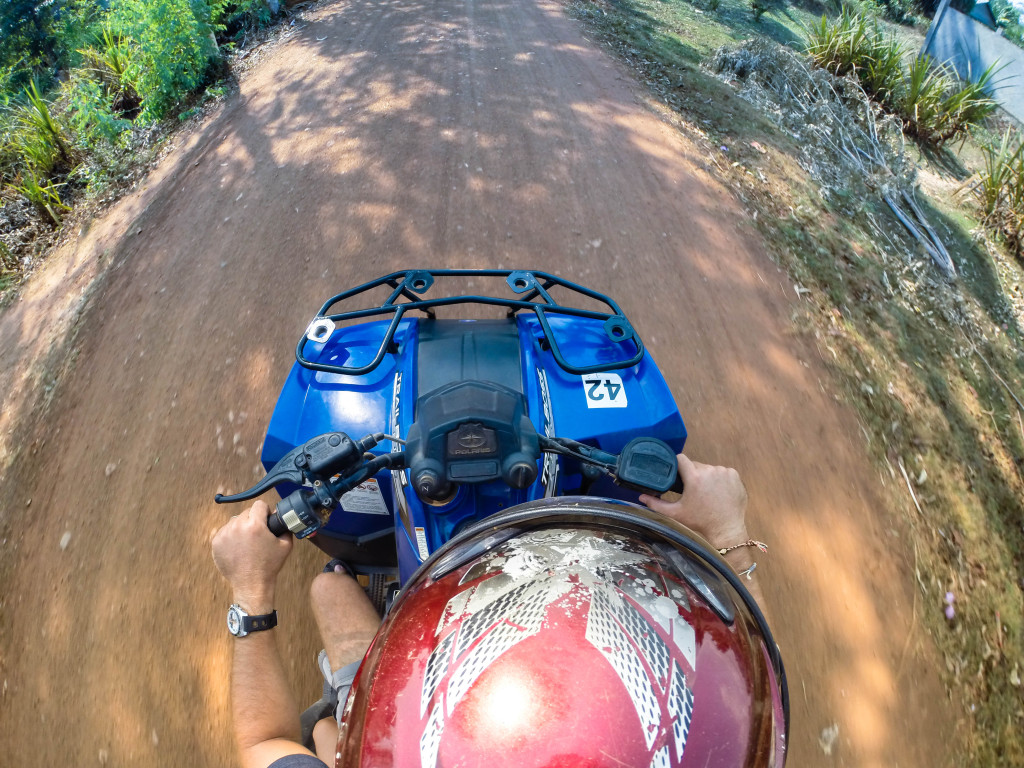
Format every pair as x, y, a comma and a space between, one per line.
604, 410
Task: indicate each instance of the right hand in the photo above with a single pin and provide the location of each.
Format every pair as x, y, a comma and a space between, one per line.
249, 556
713, 503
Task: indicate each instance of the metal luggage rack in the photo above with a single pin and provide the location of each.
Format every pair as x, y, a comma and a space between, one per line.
409, 291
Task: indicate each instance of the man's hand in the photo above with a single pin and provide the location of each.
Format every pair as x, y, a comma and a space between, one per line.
713, 503
249, 556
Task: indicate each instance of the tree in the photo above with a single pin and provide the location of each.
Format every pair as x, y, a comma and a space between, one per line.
1008, 17
26, 33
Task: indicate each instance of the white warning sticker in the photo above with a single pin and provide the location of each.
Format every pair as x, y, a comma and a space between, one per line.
421, 543
365, 499
604, 390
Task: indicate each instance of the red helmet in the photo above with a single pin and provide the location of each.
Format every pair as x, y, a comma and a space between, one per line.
570, 632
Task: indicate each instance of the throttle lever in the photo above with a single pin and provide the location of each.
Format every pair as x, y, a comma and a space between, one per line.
647, 464
306, 510
301, 513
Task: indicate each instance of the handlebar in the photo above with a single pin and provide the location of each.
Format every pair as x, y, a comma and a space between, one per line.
330, 465
276, 524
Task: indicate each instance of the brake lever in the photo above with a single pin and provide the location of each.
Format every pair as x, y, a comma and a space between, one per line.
285, 470
321, 457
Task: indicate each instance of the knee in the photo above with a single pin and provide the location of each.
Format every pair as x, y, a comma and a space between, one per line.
327, 587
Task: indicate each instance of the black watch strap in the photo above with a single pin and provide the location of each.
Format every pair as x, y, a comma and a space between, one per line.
259, 623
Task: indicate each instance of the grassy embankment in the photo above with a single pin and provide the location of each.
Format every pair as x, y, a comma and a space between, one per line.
932, 368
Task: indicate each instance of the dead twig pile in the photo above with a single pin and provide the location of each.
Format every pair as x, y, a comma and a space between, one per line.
848, 145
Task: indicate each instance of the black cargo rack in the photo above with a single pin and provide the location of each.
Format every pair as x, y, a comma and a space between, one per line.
530, 289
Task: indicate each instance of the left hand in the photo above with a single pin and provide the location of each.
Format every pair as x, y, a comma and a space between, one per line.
713, 503
249, 556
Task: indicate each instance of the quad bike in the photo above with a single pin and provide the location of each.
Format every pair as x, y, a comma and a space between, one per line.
404, 443
553, 399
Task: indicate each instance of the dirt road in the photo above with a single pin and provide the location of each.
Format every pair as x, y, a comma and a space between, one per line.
383, 135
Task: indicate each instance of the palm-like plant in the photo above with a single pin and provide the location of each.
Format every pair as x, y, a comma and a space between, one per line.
43, 195
41, 139
881, 73
967, 106
920, 98
999, 188
112, 65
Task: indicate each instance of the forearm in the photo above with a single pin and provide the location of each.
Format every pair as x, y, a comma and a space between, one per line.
714, 505
262, 703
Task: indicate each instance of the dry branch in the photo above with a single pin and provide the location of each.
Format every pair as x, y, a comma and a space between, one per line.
851, 148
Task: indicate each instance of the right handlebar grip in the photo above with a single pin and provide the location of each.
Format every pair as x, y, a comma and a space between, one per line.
276, 524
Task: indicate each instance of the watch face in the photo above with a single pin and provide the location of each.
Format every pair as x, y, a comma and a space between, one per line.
234, 620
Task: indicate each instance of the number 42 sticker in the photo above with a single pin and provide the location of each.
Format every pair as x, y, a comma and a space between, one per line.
604, 390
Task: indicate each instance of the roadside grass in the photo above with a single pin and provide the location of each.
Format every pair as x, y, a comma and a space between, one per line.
666, 40
932, 368
919, 361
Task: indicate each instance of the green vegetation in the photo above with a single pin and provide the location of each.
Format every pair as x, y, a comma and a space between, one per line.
999, 189
43, 195
43, 144
932, 103
109, 66
171, 51
83, 82
934, 369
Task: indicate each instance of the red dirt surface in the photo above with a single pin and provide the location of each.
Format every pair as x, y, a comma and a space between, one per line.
382, 136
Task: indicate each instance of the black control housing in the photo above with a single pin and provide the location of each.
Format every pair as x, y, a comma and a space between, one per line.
471, 432
648, 465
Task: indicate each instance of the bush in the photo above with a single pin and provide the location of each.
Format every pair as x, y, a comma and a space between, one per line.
175, 47
900, 11
999, 188
91, 114
110, 64
932, 103
9, 157
882, 72
76, 26
129, 63
40, 139
967, 105
936, 107
43, 195
843, 47
235, 17
920, 97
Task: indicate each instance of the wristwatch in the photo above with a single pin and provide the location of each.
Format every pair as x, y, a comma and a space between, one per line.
241, 623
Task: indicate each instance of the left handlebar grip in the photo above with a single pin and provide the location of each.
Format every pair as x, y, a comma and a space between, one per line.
296, 514
276, 524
